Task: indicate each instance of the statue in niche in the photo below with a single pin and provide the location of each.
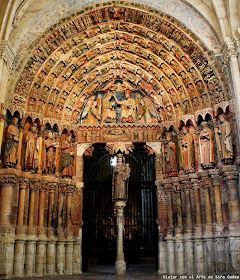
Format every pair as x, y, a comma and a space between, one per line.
187, 149
207, 152
121, 174
128, 108
170, 155
11, 145
108, 112
32, 147
224, 139
50, 150
67, 156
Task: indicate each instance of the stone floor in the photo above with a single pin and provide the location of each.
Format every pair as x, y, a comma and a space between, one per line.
102, 272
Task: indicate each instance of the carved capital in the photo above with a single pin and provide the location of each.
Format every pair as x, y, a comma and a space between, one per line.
23, 183
8, 180
230, 173
214, 174
52, 187
43, 186
228, 50
70, 189
34, 184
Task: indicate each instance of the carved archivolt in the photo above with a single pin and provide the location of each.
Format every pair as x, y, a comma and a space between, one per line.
86, 53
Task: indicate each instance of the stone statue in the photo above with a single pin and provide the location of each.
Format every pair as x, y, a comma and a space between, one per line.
128, 108
11, 145
93, 111
224, 139
207, 152
170, 155
121, 174
32, 147
67, 156
187, 149
108, 113
50, 150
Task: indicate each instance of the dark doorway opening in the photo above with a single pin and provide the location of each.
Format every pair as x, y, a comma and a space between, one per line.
99, 215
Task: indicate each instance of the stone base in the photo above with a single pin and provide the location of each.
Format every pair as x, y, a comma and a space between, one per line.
120, 267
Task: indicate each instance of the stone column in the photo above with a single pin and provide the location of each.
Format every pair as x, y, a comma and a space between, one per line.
120, 264
198, 240
23, 183
31, 231
19, 152
51, 189
33, 188
179, 249
230, 176
61, 193
208, 234
60, 257
77, 249
70, 191
8, 181
69, 258
50, 257
169, 238
162, 245
188, 227
41, 244
18, 265
41, 208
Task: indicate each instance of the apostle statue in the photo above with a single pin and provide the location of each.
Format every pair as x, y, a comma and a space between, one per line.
224, 139
207, 151
67, 157
50, 150
188, 151
121, 174
11, 145
170, 155
32, 147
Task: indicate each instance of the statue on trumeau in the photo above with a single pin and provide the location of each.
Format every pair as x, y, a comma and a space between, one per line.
11, 144
170, 155
121, 174
224, 139
32, 148
207, 150
187, 150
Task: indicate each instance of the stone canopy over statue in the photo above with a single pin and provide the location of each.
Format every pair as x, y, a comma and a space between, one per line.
118, 104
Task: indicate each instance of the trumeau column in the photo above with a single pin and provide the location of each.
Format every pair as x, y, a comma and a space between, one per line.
6, 59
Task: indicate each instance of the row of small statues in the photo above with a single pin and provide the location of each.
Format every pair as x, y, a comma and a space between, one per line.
32, 159
207, 148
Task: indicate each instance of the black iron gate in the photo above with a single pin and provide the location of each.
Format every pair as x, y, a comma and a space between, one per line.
99, 215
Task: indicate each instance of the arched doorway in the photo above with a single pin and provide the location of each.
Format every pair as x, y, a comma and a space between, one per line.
99, 214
